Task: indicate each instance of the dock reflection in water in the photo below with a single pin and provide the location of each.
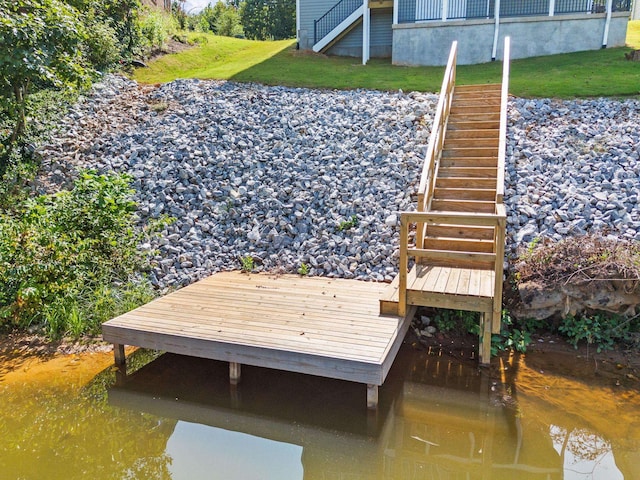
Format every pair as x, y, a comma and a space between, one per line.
438, 419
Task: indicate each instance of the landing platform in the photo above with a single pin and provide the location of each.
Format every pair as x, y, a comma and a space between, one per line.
318, 326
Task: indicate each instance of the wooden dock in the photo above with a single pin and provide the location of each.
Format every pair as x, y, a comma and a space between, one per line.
327, 327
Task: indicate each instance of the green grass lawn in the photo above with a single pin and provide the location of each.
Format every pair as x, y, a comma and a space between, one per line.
582, 74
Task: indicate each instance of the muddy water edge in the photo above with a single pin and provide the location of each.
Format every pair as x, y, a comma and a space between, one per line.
549, 414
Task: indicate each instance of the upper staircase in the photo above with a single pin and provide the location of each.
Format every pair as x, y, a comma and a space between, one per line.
336, 23
456, 237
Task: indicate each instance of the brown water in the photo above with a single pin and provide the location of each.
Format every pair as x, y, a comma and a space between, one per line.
536, 417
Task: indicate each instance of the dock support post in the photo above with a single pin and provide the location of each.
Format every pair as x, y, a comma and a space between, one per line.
118, 355
372, 397
234, 373
485, 338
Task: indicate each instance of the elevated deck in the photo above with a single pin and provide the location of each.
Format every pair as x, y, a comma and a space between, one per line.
318, 326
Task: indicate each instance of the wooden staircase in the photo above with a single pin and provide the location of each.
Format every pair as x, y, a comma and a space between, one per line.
458, 231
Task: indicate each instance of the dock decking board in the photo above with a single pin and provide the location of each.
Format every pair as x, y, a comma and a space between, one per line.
318, 326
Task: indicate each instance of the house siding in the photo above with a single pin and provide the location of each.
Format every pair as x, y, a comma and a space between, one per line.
311, 10
381, 37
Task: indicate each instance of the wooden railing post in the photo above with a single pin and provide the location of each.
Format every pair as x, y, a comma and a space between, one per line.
504, 101
499, 268
404, 264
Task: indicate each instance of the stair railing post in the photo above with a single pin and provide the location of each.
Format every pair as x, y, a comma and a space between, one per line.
402, 273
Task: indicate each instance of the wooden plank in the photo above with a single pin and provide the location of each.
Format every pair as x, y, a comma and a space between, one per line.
446, 162
470, 135
312, 328
458, 244
475, 117
463, 108
443, 300
452, 282
452, 218
478, 172
475, 233
473, 206
234, 337
462, 182
447, 258
474, 283
463, 284
485, 194
466, 141
471, 124
487, 284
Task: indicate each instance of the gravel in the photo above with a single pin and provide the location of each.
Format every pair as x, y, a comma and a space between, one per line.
297, 176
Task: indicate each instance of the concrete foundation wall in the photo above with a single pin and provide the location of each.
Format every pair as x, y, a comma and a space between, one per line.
428, 43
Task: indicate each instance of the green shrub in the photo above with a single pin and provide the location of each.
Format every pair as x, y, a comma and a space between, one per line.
600, 329
156, 28
70, 260
102, 47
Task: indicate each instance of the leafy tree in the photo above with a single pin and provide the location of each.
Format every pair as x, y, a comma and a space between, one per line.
228, 23
40, 43
268, 19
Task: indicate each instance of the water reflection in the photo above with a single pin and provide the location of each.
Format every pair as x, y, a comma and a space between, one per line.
201, 452
439, 419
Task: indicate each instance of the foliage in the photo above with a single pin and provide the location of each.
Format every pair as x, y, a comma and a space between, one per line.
579, 259
510, 337
303, 269
601, 330
458, 321
69, 261
228, 24
268, 19
101, 47
248, 264
40, 44
348, 224
156, 27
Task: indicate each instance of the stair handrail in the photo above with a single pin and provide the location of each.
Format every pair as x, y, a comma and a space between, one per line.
333, 17
438, 129
504, 100
496, 220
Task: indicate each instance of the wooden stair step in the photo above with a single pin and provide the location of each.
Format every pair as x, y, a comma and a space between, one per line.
470, 124
465, 182
458, 244
485, 194
466, 142
456, 117
472, 109
461, 231
485, 87
472, 134
469, 161
472, 172
473, 206
476, 101
470, 151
